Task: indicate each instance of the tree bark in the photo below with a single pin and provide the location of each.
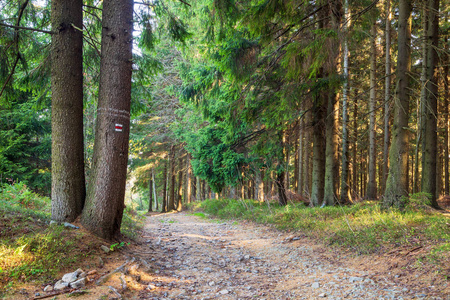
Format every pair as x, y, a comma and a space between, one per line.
397, 184
429, 165
164, 198
189, 187
150, 191
171, 202
103, 212
68, 179
154, 190
387, 95
345, 191
371, 192
318, 172
180, 184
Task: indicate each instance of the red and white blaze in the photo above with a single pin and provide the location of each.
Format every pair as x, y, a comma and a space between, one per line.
119, 127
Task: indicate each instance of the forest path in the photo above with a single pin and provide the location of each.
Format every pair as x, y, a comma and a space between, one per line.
195, 258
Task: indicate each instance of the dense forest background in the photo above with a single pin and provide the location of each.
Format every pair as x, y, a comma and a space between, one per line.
324, 102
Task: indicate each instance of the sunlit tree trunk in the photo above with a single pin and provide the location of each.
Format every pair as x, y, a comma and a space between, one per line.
188, 179
397, 185
345, 195
180, 184
68, 181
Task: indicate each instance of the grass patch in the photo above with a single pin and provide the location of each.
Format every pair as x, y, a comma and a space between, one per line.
363, 227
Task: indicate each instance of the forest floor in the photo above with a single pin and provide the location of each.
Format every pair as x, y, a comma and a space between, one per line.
183, 256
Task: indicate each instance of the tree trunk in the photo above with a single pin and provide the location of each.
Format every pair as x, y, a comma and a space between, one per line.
446, 123
68, 181
171, 203
430, 108
306, 164
189, 186
150, 191
198, 187
180, 184
300, 160
164, 198
345, 191
355, 149
371, 192
154, 190
331, 151
318, 172
387, 95
103, 212
397, 185
282, 199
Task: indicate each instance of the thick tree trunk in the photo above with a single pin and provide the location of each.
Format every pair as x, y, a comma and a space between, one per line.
371, 192
397, 183
429, 166
103, 212
282, 199
68, 181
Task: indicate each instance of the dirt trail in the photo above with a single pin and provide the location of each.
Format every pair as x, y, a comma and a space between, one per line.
181, 256
193, 258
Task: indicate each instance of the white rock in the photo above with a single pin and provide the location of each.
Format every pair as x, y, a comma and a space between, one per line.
354, 279
48, 288
105, 248
323, 295
223, 292
78, 284
315, 285
211, 283
70, 277
60, 285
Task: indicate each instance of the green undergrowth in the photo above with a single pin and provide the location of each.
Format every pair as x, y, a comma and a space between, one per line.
33, 251
363, 227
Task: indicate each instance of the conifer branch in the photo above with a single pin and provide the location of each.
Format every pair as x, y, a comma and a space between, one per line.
26, 28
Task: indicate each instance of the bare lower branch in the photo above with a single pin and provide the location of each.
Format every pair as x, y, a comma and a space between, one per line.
27, 28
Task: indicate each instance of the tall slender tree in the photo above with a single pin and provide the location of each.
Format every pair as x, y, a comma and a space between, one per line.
397, 182
430, 107
371, 192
